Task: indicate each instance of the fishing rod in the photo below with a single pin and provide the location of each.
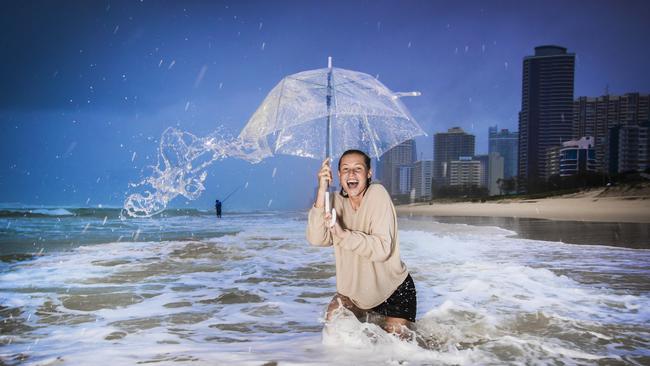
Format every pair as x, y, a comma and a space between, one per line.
231, 193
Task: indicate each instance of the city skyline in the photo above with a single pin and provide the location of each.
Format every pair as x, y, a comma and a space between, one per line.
86, 100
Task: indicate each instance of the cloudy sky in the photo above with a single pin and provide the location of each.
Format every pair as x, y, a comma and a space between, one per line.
87, 87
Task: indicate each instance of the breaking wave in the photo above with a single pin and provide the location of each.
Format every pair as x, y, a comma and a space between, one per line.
181, 168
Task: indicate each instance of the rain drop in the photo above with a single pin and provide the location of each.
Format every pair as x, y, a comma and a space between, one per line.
275, 170
263, 45
260, 27
187, 106
200, 76
505, 65
171, 64
133, 157
117, 27
104, 222
269, 204
409, 45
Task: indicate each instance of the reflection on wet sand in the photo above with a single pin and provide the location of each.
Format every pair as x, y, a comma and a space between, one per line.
628, 235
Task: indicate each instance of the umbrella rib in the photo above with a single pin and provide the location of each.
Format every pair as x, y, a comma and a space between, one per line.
361, 86
370, 133
306, 82
277, 112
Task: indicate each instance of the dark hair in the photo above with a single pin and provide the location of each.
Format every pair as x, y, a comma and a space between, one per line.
366, 160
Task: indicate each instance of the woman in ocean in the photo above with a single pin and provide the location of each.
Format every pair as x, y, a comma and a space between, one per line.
370, 276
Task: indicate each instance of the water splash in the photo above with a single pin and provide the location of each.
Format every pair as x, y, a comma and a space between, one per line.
181, 169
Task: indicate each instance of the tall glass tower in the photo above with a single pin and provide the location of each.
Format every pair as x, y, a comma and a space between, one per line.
546, 115
506, 144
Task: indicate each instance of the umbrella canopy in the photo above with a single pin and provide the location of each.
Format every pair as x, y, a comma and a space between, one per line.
364, 114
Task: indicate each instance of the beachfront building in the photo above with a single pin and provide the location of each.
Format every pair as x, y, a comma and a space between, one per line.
595, 116
392, 166
465, 172
485, 163
505, 143
573, 157
422, 177
545, 119
496, 169
577, 156
552, 162
628, 148
447, 147
405, 179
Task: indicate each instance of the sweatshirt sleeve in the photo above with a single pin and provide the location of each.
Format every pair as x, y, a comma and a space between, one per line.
376, 245
317, 232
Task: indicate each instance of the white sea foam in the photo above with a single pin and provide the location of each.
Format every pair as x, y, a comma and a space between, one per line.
259, 295
43, 211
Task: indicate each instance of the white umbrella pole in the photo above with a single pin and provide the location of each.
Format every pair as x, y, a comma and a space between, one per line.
328, 148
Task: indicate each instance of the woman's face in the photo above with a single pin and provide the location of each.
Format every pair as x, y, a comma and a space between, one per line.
353, 174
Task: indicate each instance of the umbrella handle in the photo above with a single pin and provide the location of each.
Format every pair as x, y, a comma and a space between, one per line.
327, 201
327, 210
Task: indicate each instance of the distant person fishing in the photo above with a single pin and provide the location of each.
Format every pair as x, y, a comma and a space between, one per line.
218, 204
217, 207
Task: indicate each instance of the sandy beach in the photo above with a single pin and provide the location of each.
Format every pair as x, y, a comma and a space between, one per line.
598, 205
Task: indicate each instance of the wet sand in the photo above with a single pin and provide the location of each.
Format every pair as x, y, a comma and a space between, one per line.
625, 235
615, 217
609, 209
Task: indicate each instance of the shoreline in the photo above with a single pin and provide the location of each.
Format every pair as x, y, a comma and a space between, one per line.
612, 234
588, 206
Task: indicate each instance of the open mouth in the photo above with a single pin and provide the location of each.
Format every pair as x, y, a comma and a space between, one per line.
352, 184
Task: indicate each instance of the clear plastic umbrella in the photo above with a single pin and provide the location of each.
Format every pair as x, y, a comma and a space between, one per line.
313, 114
321, 113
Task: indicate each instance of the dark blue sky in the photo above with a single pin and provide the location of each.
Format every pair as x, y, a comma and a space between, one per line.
86, 84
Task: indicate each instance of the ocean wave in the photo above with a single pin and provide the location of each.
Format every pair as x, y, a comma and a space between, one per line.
90, 212
40, 212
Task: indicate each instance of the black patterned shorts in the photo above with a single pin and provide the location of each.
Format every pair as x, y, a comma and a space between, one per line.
402, 303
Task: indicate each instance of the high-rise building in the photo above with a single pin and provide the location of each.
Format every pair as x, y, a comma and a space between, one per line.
391, 162
422, 176
595, 116
505, 143
405, 179
546, 113
495, 172
465, 172
485, 164
573, 157
447, 147
628, 148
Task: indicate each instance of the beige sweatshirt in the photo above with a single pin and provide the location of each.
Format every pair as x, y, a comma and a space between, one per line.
368, 264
